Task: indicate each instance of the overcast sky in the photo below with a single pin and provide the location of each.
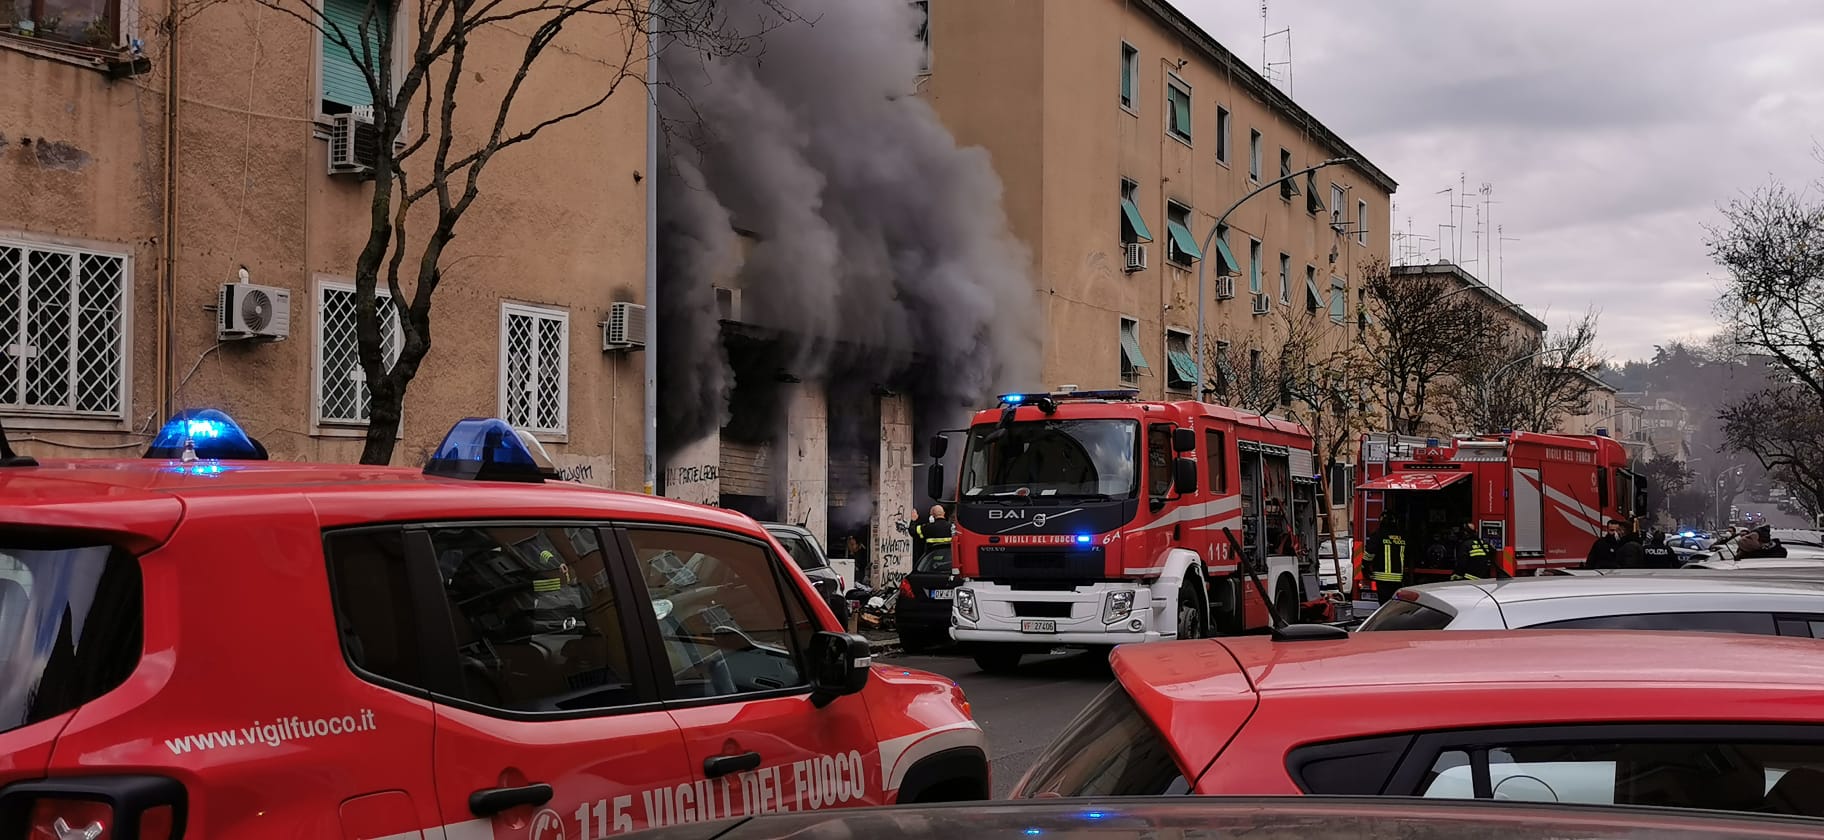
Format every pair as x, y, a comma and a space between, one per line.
1610, 130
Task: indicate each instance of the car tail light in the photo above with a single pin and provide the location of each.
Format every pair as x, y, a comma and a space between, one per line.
905, 589
94, 808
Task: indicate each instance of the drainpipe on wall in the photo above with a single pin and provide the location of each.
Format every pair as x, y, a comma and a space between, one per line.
650, 422
167, 281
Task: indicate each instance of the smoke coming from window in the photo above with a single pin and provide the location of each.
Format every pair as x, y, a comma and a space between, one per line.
875, 247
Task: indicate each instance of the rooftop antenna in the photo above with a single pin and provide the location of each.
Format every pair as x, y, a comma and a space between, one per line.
1487, 218
1450, 212
1461, 211
1501, 259
1275, 71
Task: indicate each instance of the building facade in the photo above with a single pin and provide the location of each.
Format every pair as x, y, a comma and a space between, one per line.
145, 165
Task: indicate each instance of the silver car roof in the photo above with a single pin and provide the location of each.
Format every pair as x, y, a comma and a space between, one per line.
1526, 602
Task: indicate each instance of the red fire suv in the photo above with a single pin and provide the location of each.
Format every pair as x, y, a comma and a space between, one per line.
1719, 722
228, 648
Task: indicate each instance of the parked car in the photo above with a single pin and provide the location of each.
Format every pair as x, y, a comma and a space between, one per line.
807, 553
220, 646
1669, 601
1710, 721
1212, 818
922, 610
1336, 564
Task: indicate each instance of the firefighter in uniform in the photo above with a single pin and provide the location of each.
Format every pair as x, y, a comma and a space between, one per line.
1386, 559
1475, 560
933, 533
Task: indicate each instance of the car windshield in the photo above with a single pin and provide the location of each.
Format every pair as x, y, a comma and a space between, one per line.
1110, 749
803, 548
1053, 458
70, 623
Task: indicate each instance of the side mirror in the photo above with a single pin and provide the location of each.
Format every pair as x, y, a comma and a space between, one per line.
940, 444
839, 665
934, 481
1184, 440
1184, 476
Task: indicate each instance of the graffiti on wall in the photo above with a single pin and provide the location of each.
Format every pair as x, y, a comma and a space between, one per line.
694, 473
893, 500
593, 470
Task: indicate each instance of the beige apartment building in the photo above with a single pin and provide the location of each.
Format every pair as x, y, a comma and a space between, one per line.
132, 196
1121, 131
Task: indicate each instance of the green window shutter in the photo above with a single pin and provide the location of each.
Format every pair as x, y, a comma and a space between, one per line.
1339, 305
1183, 241
1130, 345
344, 82
1136, 226
1181, 112
1184, 368
1254, 268
1127, 74
1225, 258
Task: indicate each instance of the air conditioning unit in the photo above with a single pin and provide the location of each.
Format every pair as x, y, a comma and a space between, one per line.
246, 311
625, 328
1262, 303
1136, 256
728, 304
354, 143
1225, 288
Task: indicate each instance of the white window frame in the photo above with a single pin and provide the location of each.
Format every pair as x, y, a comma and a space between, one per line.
1129, 326
1173, 81
1130, 64
1254, 144
400, 25
1361, 221
324, 285
562, 316
1257, 280
1224, 119
68, 415
1285, 279
1339, 202
924, 62
1339, 287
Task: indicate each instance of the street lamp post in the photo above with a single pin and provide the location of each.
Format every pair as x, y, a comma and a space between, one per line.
1220, 220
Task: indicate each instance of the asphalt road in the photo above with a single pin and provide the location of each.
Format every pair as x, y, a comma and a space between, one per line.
1021, 713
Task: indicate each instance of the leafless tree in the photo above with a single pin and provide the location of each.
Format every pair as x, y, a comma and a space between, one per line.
1771, 243
425, 181
1423, 329
1784, 428
1526, 384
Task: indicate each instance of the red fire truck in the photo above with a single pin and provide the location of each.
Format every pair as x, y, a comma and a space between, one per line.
1539, 499
1090, 519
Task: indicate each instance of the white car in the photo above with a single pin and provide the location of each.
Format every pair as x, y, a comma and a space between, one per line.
1664, 600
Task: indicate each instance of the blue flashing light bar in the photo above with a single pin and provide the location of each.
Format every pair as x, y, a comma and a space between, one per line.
1688, 534
1117, 394
486, 449
1083, 539
204, 434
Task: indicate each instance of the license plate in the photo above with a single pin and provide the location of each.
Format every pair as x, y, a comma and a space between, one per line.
943, 594
1034, 626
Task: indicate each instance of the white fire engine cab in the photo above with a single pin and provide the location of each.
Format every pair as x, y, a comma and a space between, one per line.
1087, 519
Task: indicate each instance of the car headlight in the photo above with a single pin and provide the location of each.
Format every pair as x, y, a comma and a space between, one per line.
965, 604
1117, 606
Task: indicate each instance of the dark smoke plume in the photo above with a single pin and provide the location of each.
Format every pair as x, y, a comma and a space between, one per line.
880, 249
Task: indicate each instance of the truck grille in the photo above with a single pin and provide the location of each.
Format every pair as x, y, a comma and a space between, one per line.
1002, 563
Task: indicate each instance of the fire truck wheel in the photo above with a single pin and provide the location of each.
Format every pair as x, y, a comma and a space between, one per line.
1193, 617
1227, 609
1285, 600
997, 660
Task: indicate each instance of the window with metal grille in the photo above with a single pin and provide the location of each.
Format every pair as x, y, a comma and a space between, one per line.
342, 395
534, 369
62, 329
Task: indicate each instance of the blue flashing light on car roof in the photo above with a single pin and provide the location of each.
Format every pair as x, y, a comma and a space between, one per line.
1687, 534
204, 434
487, 449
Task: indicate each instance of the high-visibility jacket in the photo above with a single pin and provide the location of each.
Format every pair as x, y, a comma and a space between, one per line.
1390, 567
1478, 556
935, 532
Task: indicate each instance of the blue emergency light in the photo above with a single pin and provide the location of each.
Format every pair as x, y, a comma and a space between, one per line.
1112, 395
1082, 539
204, 434
486, 449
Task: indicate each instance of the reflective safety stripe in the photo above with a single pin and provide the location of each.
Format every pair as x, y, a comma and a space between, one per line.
936, 540
1393, 560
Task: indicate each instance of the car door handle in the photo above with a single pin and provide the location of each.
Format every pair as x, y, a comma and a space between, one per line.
722, 765
490, 801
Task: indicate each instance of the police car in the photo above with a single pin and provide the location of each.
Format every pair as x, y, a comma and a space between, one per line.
199, 644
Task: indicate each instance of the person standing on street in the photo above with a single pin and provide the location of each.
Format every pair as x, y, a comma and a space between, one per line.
1386, 560
859, 553
1602, 552
934, 533
1474, 560
1657, 554
1629, 553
